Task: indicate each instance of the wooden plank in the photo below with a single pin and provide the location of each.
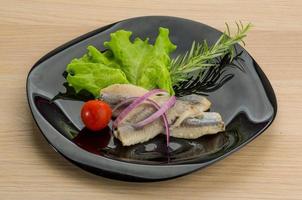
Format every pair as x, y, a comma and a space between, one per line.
268, 168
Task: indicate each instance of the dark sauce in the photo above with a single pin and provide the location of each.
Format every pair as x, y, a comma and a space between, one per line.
92, 141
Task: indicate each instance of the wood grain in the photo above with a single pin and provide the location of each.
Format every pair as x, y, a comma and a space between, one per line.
268, 168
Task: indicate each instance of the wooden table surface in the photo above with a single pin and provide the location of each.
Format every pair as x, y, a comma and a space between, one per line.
268, 168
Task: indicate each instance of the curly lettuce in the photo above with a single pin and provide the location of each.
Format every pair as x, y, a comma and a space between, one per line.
138, 62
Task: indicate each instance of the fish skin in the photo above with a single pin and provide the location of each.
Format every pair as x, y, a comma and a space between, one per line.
192, 128
116, 93
197, 99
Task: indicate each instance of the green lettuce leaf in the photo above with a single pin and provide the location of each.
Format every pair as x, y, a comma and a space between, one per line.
137, 62
144, 64
93, 76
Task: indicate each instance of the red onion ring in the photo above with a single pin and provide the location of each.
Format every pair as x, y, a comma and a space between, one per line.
161, 111
135, 104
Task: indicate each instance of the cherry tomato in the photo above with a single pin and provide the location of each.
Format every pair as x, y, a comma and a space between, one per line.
96, 114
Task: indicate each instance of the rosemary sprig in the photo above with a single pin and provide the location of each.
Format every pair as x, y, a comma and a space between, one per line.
201, 56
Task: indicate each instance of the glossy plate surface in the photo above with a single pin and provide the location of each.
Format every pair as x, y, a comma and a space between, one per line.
246, 102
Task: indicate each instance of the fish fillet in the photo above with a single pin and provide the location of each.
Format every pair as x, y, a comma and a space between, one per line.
193, 128
187, 118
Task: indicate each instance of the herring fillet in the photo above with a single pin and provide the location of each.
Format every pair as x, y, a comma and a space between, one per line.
187, 117
128, 135
192, 128
116, 93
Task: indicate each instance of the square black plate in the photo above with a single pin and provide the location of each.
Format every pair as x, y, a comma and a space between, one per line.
246, 102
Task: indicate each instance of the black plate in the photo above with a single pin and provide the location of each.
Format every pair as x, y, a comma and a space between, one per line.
246, 102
